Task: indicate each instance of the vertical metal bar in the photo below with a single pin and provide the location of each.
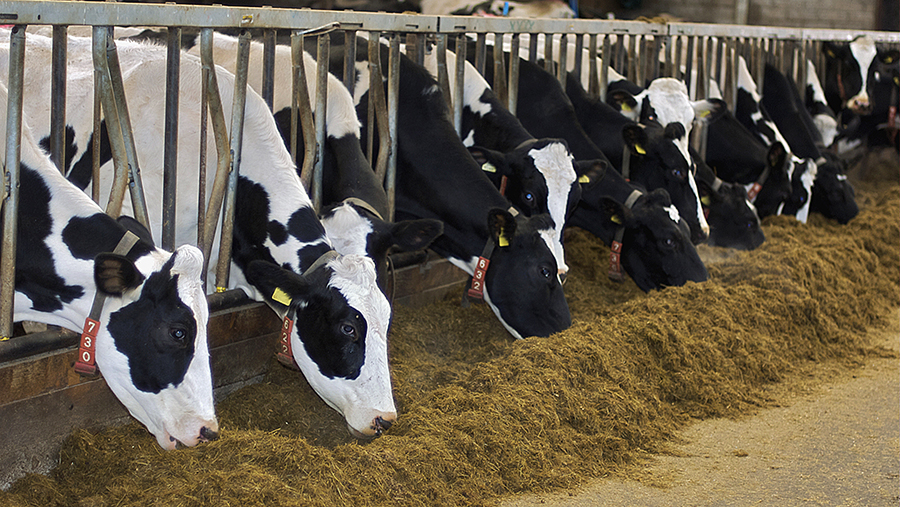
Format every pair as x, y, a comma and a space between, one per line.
412, 48
689, 66
633, 60
170, 150
720, 43
443, 77
378, 113
268, 70
202, 159
532, 47
96, 134
677, 58
323, 51
707, 68
603, 85
374, 80
420, 49
223, 148
593, 87
111, 116
58, 98
548, 52
11, 179
658, 41
480, 52
579, 56
393, 107
513, 94
350, 60
237, 131
499, 84
302, 114
138, 204
459, 84
562, 64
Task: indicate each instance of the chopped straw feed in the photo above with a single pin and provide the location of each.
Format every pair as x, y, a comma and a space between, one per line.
482, 416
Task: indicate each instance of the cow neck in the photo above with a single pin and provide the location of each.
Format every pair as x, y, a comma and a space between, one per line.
86, 363
364, 205
615, 254
285, 353
756, 186
476, 289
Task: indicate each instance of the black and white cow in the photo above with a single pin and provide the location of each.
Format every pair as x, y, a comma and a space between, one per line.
438, 178
150, 343
817, 106
861, 86
353, 227
539, 173
654, 245
733, 220
339, 335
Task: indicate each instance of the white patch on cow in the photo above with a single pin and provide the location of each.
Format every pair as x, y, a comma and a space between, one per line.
864, 50
341, 118
825, 124
704, 226
555, 163
473, 88
469, 141
670, 100
347, 230
808, 178
368, 396
842, 177
431, 90
745, 81
673, 213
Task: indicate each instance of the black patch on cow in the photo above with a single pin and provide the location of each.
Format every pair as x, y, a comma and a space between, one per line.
70, 147
36, 275
305, 226
156, 333
88, 236
81, 173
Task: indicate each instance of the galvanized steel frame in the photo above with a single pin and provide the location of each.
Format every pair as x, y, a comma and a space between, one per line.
689, 51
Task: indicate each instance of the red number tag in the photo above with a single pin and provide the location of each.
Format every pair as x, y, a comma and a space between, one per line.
615, 265
477, 289
753, 191
85, 365
285, 355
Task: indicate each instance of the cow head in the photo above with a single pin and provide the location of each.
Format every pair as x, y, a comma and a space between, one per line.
733, 221
355, 229
522, 286
657, 162
339, 335
832, 195
540, 179
860, 77
152, 347
801, 173
657, 251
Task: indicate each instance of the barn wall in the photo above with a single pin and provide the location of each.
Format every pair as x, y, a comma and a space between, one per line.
858, 14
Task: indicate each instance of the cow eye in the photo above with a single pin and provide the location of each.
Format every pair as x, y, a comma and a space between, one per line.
529, 197
178, 334
545, 272
349, 330
670, 243
678, 173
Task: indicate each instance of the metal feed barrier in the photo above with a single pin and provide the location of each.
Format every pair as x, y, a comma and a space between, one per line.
640, 51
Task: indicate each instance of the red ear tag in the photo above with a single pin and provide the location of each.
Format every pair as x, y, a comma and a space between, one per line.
477, 289
285, 355
615, 265
753, 191
86, 365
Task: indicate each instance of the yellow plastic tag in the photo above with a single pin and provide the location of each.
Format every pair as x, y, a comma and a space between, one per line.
281, 296
488, 167
221, 289
704, 113
616, 219
705, 200
502, 241
626, 107
584, 179
638, 148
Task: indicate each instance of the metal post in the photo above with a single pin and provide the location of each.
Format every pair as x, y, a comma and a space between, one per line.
561, 69
393, 101
579, 56
689, 66
237, 131
11, 179
170, 151
512, 99
443, 77
268, 70
548, 52
323, 51
480, 52
350, 60
58, 98
499, 84
606, 61
459, 84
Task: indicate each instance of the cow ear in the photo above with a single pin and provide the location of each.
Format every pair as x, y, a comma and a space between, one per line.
674, 130
615, 212
776, 156
635, 137
621, 101
411, 235
710, 109
491, 161
501, 226
136, 228
278, 285
114, 274
590, 171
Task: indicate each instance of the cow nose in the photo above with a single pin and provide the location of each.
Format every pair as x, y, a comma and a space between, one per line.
380, 424
861, 105
701, 236
562, 277
208, 435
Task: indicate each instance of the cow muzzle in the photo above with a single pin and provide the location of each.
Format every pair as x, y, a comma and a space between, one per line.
379, 425
208, 435
860, 105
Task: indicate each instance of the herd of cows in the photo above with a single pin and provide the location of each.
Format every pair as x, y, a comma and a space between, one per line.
494, 200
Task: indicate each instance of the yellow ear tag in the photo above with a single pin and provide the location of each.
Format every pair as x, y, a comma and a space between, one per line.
488, 167
502, 241
281, 296
616, 219
705, 200
897, 81
888, 60
639, 149
584, 179
704, 113
626, 107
